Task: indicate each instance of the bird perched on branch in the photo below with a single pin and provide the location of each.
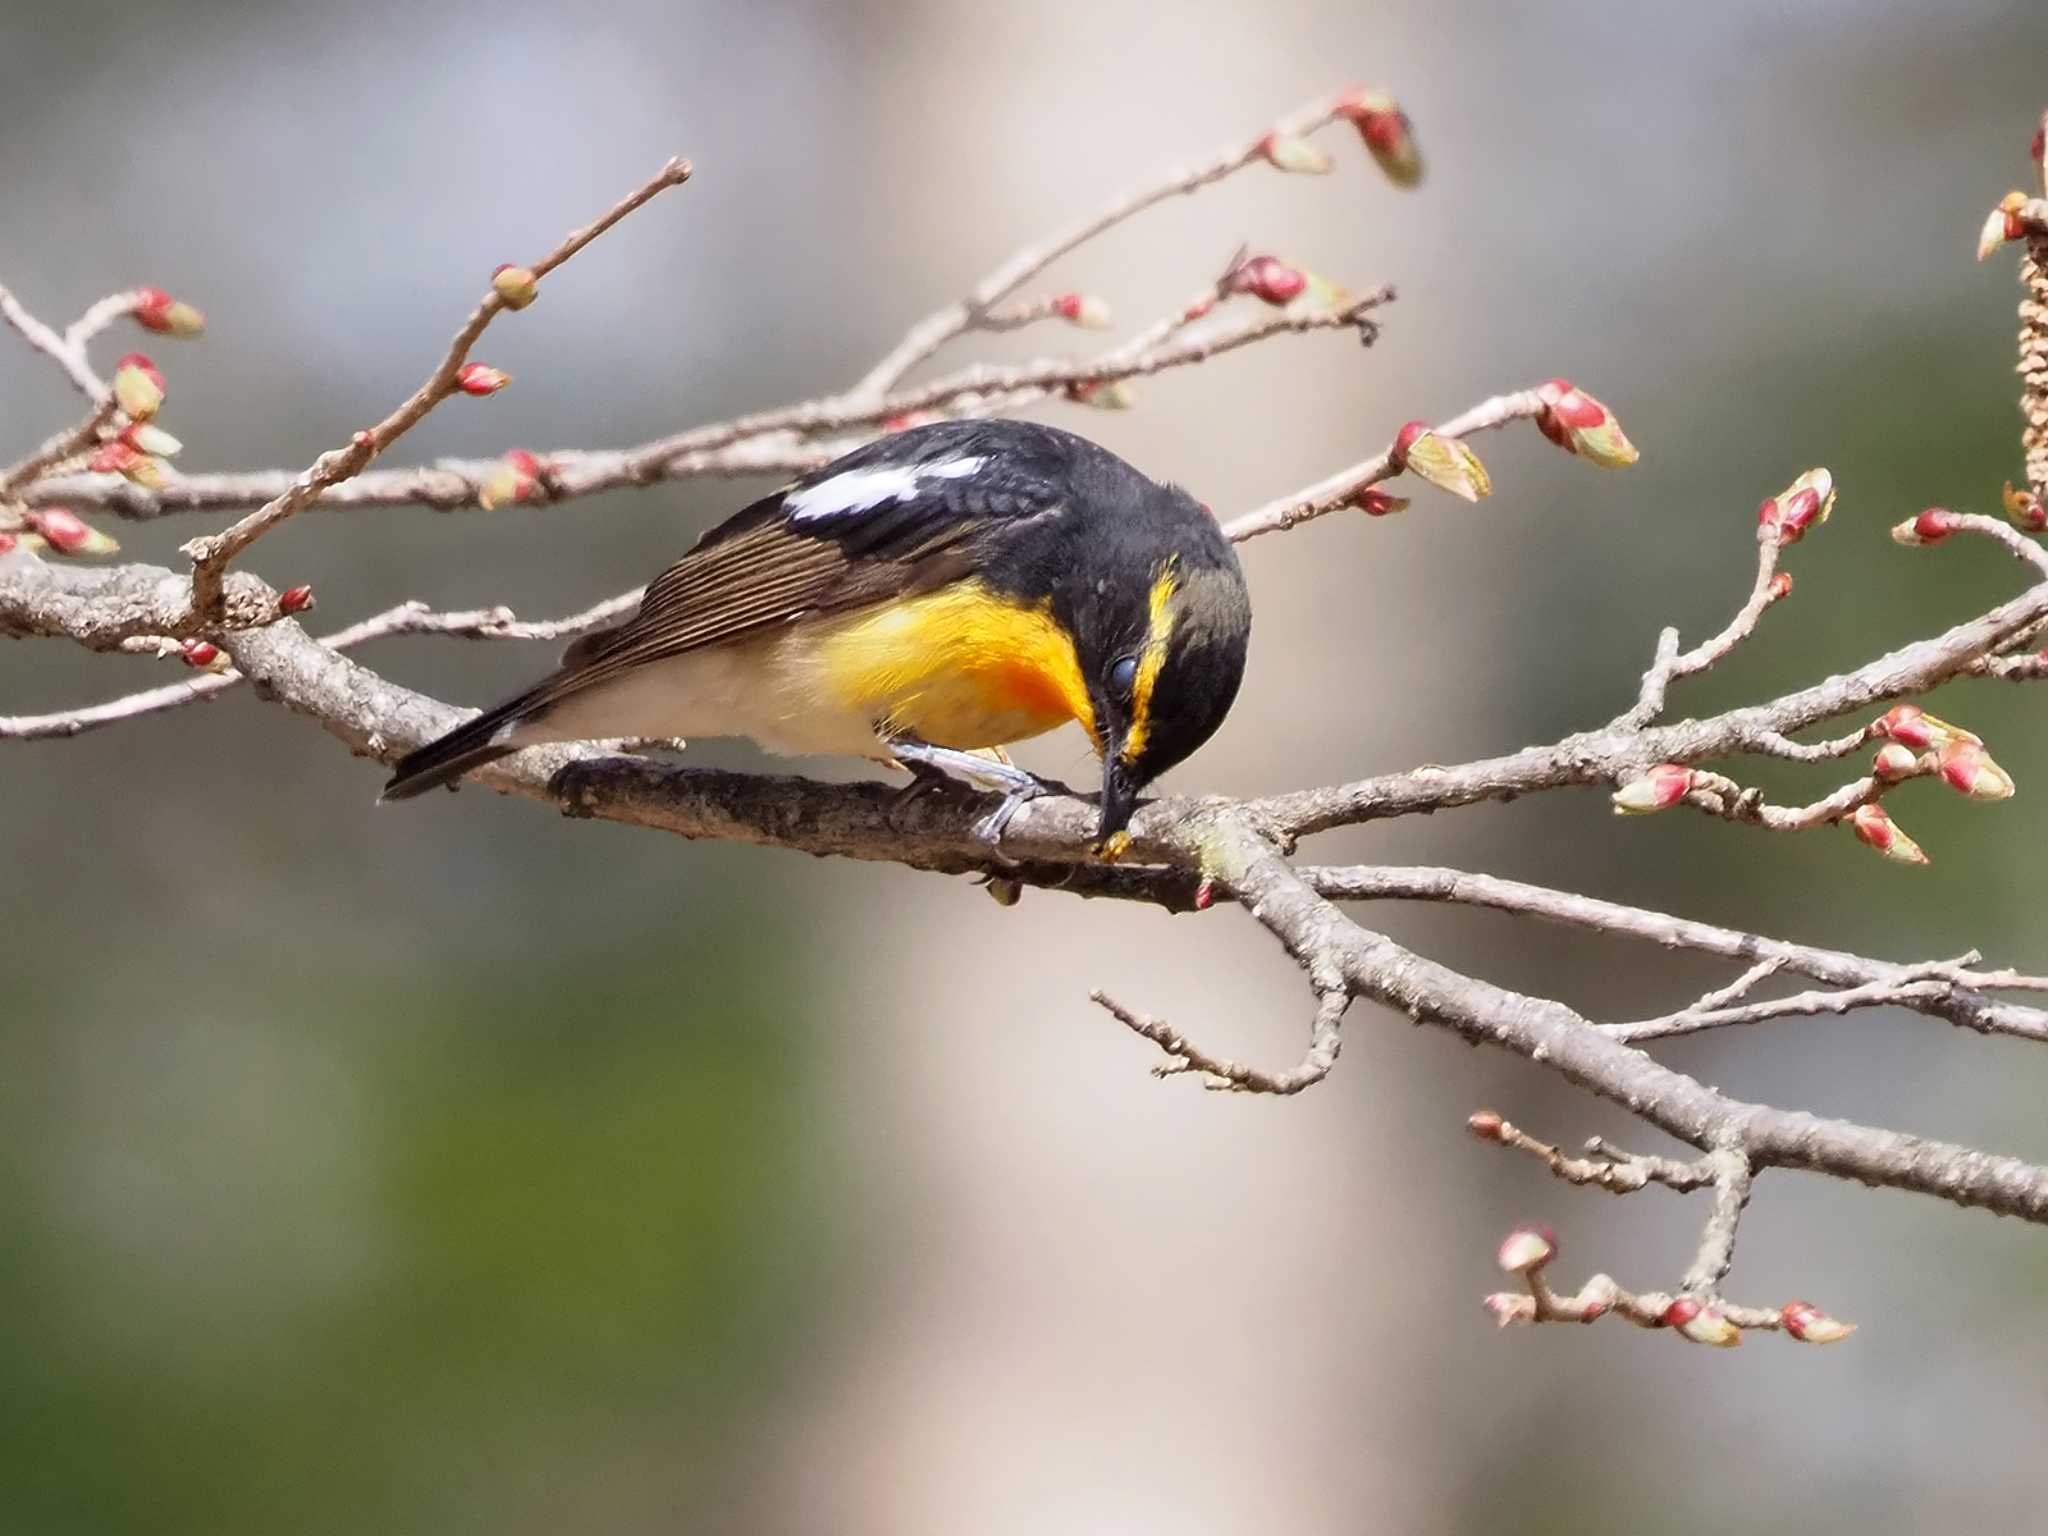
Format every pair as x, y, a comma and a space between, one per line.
931, 595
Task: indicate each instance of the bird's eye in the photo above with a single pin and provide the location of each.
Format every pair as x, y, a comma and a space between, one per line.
1123, 676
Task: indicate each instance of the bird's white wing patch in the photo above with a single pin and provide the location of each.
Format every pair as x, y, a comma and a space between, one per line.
859, 489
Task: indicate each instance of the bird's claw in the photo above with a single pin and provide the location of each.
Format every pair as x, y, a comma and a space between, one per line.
1018, 788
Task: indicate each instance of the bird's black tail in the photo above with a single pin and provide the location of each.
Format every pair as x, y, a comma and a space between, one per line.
470, 745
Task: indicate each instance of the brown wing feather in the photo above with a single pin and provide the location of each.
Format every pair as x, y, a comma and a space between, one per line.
752, 580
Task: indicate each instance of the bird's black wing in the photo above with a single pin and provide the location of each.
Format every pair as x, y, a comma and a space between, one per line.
902, 514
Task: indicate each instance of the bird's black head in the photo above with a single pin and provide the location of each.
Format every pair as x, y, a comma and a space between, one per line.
1163, 653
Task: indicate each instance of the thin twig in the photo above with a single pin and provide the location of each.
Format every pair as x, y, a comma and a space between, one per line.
942, 325
1220, 1072
210, 556
409, 618
46, 341
1344, 487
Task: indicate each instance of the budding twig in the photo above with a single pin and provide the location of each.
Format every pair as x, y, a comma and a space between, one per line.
408, 618
210, 556
1618, 1173
1343, 488
942, 325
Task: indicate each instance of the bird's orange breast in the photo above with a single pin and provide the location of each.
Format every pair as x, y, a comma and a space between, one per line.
960, 667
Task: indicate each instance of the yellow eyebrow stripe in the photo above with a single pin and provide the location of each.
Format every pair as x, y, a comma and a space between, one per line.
1158, 627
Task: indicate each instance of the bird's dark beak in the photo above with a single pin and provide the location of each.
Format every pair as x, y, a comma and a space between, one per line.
1119, 798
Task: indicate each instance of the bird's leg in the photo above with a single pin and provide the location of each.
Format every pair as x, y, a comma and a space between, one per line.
978, 771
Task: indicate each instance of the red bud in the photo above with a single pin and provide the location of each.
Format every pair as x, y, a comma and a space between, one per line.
1579, 424
515, 477
1808, 1324
1084, 309
156, 310
1658, 790
120, 457
2024, 509
1374, 502
1894, 762
1968, 769
68, 533
481, 379
1702, 1324
1486, 1124
1780, 587
2003, 223
1929, 527
295, 600
1268, 278
1912, 725
1803, 504
1205, 894
1875, 829
138, 387
203, 654
1388, 135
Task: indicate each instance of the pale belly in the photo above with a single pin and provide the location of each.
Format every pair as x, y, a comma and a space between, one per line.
836, 690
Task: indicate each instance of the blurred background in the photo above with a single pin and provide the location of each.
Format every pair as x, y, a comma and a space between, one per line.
461, 1167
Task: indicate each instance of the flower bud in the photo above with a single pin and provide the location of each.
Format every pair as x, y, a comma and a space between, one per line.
148, 437
1929, 527
1912, 725
1374, 502
903, 421
1268, 278
1527, 1249
1104, 394
517, 286
138, 387
68, 533
1444, 462
1894, 762
1701, 1324
1875, 829
1205, 894
1388, 135
2003, 223
204, 655
1579, 424
1083, 309
2025, 511
1808, 1324
1486, 1124
122, 458
1510, 1307
515, 477
1968, 769
1780, 587
481, 379
1803, 504
294, 600
156, 310
1658, 790
1291, 152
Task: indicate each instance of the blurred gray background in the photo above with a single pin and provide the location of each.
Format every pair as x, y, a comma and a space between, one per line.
464, 1168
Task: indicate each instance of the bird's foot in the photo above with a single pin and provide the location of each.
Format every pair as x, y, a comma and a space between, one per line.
992, 773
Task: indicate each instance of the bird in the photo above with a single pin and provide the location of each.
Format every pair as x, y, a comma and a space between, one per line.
924, 600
